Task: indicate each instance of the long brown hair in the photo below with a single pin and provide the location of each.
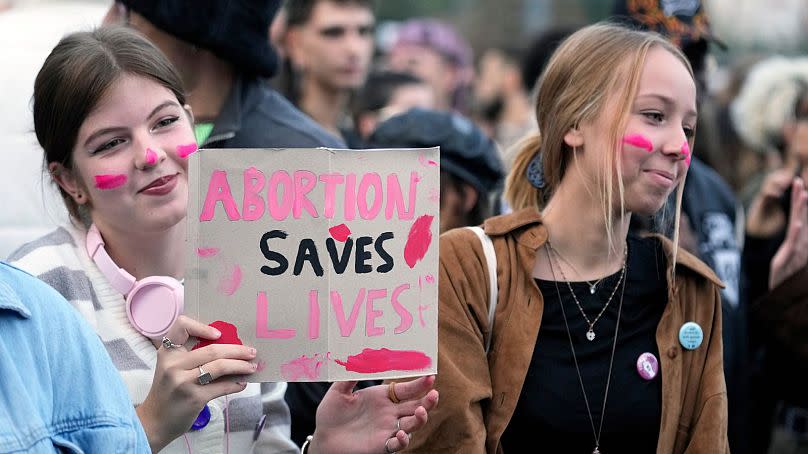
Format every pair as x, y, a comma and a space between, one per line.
74, 78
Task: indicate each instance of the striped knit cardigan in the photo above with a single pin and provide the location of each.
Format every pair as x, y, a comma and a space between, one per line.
61, 260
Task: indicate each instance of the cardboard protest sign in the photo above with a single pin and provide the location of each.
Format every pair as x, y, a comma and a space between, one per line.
324, 260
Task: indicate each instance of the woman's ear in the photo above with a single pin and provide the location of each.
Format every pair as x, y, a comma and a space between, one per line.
66, 179
574, 138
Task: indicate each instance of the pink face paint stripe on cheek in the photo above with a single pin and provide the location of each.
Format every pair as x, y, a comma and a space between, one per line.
686, 152
151, 157
639, 141
107, 182
186, 150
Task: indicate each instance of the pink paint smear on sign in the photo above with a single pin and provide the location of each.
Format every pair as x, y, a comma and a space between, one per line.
686, 152
230, 283
186, 150
109, 181
418, 240
229, 335
639, 141
206, 252
303, 367
426, 162
151, 157
340, 232
384, 360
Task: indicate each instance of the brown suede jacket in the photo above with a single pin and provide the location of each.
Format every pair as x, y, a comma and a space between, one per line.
478, 394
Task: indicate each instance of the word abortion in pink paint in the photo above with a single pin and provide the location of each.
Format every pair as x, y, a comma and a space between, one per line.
107, 182
283, 194
371, 361
639, 141
686, 152
151, 157
186, 150
418, 240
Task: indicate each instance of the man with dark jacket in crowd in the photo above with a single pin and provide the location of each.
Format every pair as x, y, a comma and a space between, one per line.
222, 52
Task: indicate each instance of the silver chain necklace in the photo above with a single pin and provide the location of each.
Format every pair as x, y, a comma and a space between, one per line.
597, 433
590, 333
593, 286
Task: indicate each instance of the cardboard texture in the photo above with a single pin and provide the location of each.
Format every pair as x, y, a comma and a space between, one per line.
325, 260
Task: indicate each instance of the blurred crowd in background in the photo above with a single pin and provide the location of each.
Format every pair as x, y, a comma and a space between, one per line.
460, 74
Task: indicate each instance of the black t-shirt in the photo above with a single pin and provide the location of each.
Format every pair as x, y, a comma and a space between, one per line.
551, 409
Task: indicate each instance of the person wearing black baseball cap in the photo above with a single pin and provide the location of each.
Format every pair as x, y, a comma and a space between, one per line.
222, 52
472, 172
709, 206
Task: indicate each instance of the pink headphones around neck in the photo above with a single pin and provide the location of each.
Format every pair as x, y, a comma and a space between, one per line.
152, 303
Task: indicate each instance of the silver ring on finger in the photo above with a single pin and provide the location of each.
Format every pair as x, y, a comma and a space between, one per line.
387, 448
398, 425
167, 344
204, 377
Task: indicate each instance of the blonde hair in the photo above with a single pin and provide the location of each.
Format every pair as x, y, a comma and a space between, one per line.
597, 65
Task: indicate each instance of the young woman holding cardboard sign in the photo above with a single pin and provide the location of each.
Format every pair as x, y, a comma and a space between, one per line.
110, 113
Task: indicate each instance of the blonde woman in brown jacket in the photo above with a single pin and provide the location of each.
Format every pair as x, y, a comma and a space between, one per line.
602, 341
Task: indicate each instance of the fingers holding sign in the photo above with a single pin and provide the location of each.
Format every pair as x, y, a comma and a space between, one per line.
382, 419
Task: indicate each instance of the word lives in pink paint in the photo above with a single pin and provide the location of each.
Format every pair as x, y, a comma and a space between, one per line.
186, 150
151, 157
107, 182
369, 305
418, 240
340, 232
639, 141
371, 361
302, 367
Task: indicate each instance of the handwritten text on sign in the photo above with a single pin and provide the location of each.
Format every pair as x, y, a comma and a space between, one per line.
324, 260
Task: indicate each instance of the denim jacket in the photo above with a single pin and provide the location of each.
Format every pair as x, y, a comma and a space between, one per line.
59, 391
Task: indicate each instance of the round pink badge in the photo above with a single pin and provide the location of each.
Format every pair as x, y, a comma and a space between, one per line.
647, 366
